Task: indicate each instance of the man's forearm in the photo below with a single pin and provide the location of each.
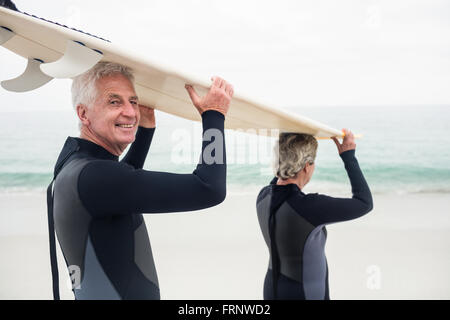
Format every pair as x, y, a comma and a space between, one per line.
212, 165
139, 149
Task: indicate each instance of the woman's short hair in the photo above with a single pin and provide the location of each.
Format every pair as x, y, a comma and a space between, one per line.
84, 86
292, 152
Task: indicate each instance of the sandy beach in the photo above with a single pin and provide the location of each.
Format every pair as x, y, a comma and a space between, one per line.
398, 251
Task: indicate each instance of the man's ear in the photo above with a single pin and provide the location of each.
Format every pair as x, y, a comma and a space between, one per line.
82, 114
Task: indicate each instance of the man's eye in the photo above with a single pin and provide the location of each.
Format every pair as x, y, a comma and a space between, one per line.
114, 102
133, 102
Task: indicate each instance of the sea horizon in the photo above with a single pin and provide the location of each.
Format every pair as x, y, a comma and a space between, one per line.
403, 149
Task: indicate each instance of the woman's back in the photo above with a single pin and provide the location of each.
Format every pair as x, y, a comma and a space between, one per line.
299, 245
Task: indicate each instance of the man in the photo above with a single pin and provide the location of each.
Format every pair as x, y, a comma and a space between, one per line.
99, 200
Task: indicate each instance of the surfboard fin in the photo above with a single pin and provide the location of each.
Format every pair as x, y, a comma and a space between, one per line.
77, 60
32, 78
5, 35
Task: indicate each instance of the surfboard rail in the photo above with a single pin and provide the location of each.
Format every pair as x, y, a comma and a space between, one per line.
158, 86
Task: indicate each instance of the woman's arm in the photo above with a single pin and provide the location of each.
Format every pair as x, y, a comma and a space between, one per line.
321, 209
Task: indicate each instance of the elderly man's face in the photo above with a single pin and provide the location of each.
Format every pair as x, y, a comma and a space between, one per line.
114, 116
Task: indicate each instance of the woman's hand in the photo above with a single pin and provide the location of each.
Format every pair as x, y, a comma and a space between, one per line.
347, 144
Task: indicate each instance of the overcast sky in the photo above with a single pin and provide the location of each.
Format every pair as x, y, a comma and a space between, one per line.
285, 52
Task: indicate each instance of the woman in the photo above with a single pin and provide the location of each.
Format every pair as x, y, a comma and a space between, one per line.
293, 223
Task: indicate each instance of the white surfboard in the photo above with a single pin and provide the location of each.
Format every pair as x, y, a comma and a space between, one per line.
56, 51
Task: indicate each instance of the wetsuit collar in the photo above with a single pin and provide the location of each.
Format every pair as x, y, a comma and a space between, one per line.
291, 186
95, 150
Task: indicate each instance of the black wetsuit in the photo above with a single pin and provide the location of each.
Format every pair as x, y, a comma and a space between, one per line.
293, 226
98, 206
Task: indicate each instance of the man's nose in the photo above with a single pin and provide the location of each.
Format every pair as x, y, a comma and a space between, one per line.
129, 109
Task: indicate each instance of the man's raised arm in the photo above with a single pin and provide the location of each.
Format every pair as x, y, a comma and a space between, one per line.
139, 148
111, 188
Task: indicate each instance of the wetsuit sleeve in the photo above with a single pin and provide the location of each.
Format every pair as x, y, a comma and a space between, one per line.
138, 151
111, 188
321, 209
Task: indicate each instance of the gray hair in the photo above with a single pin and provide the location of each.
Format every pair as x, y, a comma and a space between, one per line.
84, 86
292, 152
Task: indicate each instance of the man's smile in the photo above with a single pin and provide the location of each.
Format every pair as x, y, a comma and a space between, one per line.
126, 126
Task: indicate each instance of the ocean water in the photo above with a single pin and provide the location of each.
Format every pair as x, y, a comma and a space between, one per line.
403, 149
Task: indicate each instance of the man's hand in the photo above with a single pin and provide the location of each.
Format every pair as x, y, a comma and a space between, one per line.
218, 97
147, 117
347, 144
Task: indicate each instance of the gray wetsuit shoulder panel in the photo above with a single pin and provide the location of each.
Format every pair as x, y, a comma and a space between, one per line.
263, 209
143, 254
315, 265
72, 220
95, 284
